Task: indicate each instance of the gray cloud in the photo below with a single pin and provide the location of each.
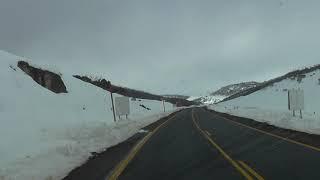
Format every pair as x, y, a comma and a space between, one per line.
165, 46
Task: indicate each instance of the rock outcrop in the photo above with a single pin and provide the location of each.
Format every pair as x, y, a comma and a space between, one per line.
45, 78
108, 86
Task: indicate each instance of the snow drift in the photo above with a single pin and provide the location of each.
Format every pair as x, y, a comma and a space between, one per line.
44, 135
270, 104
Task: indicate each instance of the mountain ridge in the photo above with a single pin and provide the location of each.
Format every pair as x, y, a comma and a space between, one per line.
298, 75
226, 91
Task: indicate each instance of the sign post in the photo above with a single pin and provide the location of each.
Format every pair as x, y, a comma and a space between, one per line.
164, 107
114, 114
300, 96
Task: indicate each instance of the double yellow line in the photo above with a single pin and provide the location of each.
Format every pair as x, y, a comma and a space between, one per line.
250, 170
124, 163
273, 135
244, 170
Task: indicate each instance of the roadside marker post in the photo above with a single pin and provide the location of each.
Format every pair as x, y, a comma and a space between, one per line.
114, 114
164, 107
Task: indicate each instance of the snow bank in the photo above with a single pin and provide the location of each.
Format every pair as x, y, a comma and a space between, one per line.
211, 99
284, 119
44, 135
270, 105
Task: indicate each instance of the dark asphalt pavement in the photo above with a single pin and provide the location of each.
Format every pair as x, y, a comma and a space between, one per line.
221, 149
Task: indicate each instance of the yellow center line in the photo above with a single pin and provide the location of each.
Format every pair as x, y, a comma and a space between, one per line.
253, 172
273, 135
208, 133
224, 154
134, 151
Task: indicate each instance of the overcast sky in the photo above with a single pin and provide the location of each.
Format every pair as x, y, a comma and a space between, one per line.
165, 46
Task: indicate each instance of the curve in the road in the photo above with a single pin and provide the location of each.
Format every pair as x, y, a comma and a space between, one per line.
274, 135
124, 163
226, 156
197, 144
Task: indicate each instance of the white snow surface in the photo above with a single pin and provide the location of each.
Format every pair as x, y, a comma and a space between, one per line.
191, 98
270, 105
213, 99
207, 100
44, 135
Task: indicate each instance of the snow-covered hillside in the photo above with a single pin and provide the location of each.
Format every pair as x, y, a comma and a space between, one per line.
44, 135
232, 89
270, 104
208, 99
224, 92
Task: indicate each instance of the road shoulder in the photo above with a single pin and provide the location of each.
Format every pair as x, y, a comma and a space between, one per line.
99, 165
301, 137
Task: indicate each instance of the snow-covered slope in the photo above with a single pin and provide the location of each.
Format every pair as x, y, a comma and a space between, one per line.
176, 96
224, 92
210, 99
270, 104
232, 89
44, 135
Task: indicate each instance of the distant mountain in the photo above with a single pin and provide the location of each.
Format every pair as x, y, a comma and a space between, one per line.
268, 102
106, 85
234, 89
208, 99
296, 75
225, 92
176, 96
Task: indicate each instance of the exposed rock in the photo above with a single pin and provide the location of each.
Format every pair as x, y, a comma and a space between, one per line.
234, 89
176, 96
13, 68
45, 78
102, 83
141, 105
106, 85
300, 77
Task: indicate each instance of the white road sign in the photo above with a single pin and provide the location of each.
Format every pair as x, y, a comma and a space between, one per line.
296, 99
122, 106
300, 97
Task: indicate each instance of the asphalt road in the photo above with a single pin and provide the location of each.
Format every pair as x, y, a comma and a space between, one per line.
197, 144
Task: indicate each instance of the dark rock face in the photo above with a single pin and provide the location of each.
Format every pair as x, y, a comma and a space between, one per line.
141, 105
106, 85
235, 88
46, 79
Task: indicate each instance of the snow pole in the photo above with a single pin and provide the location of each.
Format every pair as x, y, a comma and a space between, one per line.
114, 114
164, 107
